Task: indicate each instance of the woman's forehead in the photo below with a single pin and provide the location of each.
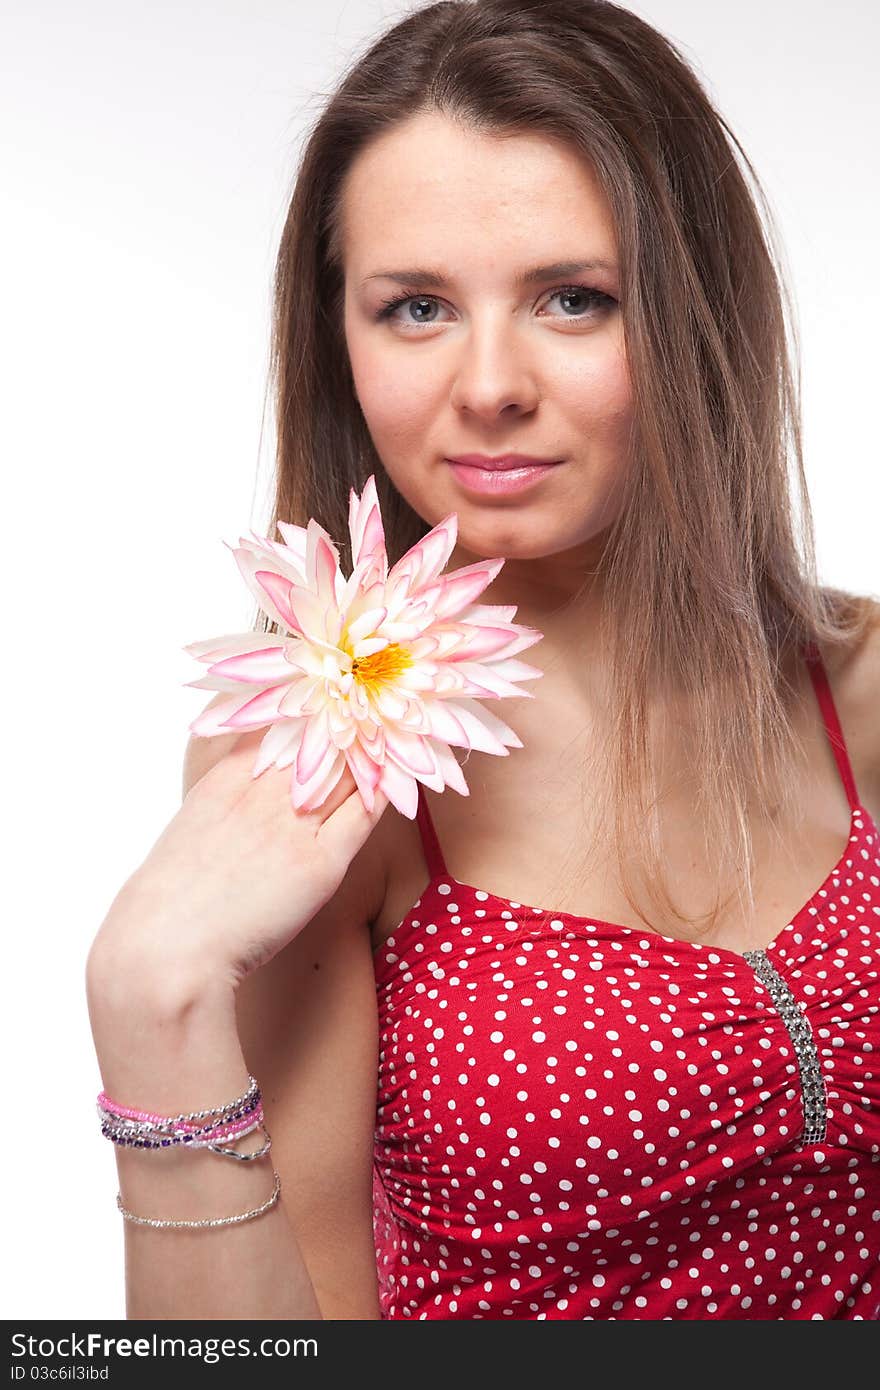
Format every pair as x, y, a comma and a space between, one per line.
426, 191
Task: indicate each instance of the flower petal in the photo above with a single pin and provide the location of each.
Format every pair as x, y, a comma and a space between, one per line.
401, 789
449, 769
410, 750
484, 677
275, 593
369, 647
443, 724
481, 729
217, 647
314, 747
248, 564
366, 529
364, 770
391, 703
298, 698
423, 562
514, 670
295, 541
261, 709
212, 720
463, 586
475, 643
366, 624
279, 745
322, 563
308, 796
255, 668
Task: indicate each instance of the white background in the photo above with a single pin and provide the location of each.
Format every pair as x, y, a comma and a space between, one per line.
147, 156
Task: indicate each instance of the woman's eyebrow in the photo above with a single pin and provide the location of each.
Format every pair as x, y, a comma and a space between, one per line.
533, 275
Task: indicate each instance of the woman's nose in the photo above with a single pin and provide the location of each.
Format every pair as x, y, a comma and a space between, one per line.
493, 373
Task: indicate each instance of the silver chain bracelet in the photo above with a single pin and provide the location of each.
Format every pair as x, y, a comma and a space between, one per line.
207, 1221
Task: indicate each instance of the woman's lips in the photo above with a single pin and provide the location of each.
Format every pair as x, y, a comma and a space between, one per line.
499, 481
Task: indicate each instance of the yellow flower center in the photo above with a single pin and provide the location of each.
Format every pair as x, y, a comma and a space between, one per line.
382, 667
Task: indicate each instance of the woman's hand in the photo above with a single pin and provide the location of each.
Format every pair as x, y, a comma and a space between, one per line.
236, 874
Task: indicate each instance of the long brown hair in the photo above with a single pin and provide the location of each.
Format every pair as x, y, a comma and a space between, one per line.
709, 574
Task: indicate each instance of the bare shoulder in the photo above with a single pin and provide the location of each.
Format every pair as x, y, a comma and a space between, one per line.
854, 673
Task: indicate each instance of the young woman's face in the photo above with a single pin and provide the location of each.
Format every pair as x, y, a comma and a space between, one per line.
483, 363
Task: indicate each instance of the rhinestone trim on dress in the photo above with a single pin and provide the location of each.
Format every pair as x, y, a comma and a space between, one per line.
813, 1095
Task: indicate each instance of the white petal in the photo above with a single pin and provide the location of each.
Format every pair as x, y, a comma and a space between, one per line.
366, 624
369, 646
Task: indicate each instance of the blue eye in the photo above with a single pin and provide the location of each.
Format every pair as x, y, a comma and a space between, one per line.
600, 302
392, 304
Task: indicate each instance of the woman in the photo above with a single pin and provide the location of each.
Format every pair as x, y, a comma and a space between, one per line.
623, 1068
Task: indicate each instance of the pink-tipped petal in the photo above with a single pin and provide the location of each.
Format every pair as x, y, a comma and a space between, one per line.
213, 683
315, 746
488, 613
215, 648
248, 563
443, 724
477, 643
478, 733
366, 529
513, 670
410, 750
279, 745
485, 678
255, 668
212, 721
295, 540
423, 562
277, 591
312, 794
307, 611
297, 699
490, 721
401, 789
392, 702
521, 638
450, 771
463, 586
364, 769
262, 709
322, 562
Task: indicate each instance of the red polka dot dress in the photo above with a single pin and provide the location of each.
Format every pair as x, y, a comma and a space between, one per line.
582, 1120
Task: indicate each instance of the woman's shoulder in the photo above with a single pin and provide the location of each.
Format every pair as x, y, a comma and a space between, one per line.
854, 675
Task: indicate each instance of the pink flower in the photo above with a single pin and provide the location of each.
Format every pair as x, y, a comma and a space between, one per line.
381, 672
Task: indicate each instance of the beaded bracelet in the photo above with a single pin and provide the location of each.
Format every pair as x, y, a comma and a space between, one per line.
252, 1094
144, 1130
146, 1135
208, 1221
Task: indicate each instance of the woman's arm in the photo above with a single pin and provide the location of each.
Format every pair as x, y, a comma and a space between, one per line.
305, 1026
164, 1051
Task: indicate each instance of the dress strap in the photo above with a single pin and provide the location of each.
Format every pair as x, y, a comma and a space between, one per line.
822, 687
430, 844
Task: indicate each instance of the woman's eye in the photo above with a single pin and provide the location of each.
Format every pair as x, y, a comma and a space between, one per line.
588, 303
581, 294
391, 305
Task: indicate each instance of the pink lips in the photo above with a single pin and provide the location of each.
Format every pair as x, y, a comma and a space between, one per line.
499, 460
499, 477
